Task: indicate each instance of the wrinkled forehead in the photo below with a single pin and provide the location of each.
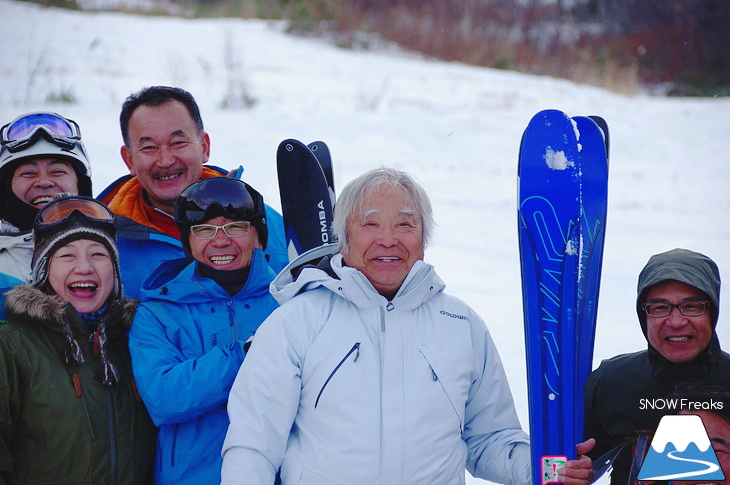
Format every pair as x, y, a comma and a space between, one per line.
390, 198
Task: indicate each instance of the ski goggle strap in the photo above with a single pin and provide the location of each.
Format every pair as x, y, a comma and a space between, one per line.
59, 210
27, 129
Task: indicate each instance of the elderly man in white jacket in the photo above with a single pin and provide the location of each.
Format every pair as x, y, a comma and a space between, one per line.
369, 373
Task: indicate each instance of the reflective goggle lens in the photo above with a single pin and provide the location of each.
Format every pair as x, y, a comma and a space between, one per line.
60, 210
26, 125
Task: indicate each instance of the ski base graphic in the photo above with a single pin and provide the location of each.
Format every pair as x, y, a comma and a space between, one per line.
563, 174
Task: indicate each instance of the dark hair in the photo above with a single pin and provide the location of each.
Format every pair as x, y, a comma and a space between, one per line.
157, 96
705, 393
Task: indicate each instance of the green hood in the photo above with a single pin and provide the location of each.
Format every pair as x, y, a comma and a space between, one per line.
685, 266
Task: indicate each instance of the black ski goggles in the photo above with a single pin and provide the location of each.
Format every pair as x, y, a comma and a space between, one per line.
75, 208
27, 129
219, 196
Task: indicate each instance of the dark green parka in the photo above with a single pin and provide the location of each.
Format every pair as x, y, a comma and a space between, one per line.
618, 393
59, 424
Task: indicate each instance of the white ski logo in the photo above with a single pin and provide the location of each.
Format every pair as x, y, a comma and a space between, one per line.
681, 450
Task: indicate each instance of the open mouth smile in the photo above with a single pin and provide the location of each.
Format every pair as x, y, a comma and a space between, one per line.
83, 288
221, 260
168, 176
41, 200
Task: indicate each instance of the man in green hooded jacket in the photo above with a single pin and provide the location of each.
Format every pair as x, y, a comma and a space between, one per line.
678, 303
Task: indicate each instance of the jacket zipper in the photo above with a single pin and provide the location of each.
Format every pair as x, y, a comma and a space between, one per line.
354, 348
390, 307
232, 320
173, 448
112, 437
444, 383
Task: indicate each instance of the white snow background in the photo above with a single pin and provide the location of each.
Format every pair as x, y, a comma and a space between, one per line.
456, 128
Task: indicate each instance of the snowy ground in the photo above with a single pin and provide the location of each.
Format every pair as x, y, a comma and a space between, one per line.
457, 128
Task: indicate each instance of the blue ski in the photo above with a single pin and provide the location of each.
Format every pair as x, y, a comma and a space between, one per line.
562, 209
306, 202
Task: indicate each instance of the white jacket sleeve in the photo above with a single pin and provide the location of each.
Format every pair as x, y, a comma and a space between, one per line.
498, 449
262, 407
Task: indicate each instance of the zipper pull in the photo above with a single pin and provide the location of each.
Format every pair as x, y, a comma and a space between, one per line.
136, 392
77, 384
96, 344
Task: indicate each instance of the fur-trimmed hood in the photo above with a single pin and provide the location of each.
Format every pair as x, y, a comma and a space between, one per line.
29, 303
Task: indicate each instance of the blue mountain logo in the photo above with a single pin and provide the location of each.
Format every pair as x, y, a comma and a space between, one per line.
681, 450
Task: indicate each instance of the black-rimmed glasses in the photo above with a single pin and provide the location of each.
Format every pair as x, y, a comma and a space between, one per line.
688, 309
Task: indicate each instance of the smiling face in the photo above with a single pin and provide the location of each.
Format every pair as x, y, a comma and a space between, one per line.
224, 252
82, 273
718, 430
36, 181
166, 153
676, 337
385, 238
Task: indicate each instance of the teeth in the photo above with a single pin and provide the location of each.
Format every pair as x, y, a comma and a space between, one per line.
41, 200
168, 177
83, 286
678, 339
389, 258
221, 259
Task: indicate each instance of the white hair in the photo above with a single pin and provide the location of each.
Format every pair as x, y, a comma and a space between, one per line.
355, 192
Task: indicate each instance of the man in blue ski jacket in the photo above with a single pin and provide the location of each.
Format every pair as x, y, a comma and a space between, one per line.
189, 335
165, 149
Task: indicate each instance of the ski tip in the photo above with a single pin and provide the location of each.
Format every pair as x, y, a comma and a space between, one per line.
290, 143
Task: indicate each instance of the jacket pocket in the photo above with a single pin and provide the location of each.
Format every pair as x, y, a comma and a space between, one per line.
355, 350
439, 374
311, 478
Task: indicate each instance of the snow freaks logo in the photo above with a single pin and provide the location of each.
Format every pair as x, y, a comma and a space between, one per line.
681, 450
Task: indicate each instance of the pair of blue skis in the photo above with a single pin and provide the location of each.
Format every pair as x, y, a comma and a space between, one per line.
307, 192
563, 188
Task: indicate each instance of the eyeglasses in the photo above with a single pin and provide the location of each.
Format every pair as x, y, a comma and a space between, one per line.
28, 129
232, 229
688, 309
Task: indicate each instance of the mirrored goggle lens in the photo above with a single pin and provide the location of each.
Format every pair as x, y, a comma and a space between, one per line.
59, 211
23, 127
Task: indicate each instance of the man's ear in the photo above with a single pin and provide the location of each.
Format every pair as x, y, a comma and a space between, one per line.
127, 157
205, 141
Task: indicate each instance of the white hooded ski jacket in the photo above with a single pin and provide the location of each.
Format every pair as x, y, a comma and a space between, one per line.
16, 251
342, 386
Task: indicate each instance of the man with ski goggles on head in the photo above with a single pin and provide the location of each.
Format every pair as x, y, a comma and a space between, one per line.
191, 329
41, 154
165, 149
